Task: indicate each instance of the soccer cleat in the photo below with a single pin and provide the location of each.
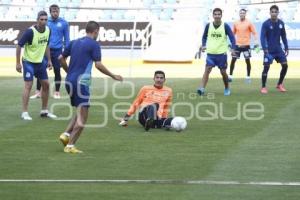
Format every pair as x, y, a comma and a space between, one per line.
200, 91
48, 115
230, 78
227, 92
56, 95
64, 139
36, 95
148, 124
25, 116
280, 88
264, 90
248, 80
72, 150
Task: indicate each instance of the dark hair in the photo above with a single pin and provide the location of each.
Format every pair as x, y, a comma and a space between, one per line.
91, 26
217, 10
41, 13
53, 6
243, 9
274, 7
160, 72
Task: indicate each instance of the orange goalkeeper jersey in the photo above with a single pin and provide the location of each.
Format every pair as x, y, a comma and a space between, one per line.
149, 95
243, 30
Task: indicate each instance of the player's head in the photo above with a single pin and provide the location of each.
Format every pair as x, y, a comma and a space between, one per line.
92, 28
54, 11
243, 13
274, 12
217, 14
159, 78
42, 18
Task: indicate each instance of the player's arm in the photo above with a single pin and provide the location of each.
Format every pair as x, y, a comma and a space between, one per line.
65, 54
263, 38
66, 33
284, 40
105, 71
96, 56
204, 38
167, 105
230, 34
134, 106
18, 59
26, 38
49, 65
254, 33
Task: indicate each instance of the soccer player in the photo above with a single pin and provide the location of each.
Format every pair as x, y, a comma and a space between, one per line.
35, 41
59, 38
243, 29
153, 101
214, 41
83, 52
271, 32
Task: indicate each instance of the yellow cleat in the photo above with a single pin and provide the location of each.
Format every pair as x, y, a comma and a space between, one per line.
64, 139
72, 150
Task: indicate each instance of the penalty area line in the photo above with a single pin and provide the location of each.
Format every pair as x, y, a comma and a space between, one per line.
184, 182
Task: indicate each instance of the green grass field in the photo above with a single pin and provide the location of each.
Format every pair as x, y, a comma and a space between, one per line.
265, 150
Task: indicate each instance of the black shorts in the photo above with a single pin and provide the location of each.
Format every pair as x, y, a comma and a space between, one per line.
245, 49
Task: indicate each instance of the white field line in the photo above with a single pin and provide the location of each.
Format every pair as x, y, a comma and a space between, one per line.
184, 182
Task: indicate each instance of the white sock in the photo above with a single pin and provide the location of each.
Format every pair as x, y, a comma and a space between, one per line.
70, 145
67, 134
44, 111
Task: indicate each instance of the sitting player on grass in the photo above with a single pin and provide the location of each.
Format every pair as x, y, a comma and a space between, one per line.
154, 101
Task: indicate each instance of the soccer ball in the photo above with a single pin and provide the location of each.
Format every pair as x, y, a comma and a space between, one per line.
178, 123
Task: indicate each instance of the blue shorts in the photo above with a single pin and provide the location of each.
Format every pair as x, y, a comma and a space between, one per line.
54, 57
39, 70
278, 56
79, 94
219, 60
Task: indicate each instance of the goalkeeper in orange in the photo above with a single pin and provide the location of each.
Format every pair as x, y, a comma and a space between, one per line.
243, 29
153, 101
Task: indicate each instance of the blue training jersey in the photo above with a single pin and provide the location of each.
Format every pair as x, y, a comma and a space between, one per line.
60, 36
83, 51
270, 36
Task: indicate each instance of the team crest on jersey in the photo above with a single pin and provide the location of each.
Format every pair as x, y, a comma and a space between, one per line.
271, 27
280, 26
59, 24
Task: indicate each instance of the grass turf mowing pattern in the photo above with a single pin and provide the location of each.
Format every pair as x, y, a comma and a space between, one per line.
238, 150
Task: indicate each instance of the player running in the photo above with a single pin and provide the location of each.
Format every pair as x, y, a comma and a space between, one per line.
271, 32
153, 101
83, 52
243, 29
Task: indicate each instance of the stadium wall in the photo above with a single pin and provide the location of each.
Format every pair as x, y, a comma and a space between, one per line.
111, 34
